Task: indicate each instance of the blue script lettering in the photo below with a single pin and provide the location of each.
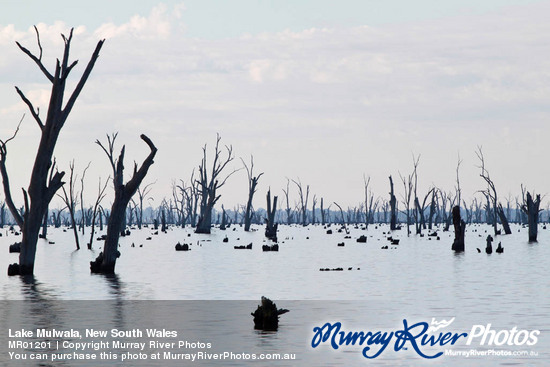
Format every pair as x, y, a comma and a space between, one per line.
415, 335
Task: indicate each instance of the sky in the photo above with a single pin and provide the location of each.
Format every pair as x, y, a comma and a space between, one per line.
324, 92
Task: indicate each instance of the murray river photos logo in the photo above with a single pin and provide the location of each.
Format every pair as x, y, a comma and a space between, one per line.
419, 337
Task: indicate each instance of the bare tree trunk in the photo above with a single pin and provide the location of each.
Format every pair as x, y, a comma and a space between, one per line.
44, 233
323, 219
503, 220
271, 226
303, 200
41, 190
100, 197
460, 230
209, 185
432, 210
531, 208
252, 183
393, 211
106, 261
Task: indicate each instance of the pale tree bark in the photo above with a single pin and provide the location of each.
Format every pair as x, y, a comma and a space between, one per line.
288, 210
97, 208
142, 194
252, 183
491, 193
43, 187
70, 200
83, 222
304, 197
106, 261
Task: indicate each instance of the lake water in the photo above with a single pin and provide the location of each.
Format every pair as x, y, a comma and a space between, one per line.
209, 292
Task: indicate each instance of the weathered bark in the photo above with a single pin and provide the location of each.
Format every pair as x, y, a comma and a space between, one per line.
41, 189
270, 225
97, 208
393, 202
252, 183
106, 261
209, 185
303, 200
432, 210
70, 202
460, 230
503, 220
531, 208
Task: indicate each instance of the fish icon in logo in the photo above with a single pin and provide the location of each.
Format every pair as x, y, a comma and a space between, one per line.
436, 325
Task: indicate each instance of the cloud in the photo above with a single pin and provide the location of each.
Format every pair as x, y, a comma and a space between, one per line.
339, 101
157, 25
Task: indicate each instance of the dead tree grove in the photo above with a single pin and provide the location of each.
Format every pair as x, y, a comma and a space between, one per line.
106, 261
43, 187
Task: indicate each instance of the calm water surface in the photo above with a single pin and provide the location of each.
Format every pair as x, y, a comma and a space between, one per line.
418, 280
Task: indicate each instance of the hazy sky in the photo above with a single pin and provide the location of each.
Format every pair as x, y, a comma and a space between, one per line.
324, 91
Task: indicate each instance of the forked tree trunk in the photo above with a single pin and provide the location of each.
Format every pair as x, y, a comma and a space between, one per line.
43, 186
106, 261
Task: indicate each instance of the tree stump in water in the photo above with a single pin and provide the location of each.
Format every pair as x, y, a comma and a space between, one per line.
16, 247
266, 316
13, 269
460, 230
489, 248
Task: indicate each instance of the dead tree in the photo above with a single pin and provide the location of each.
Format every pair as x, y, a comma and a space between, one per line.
366, 181
82, 222
432, 208
191, 195
142, 194
270, 225
304, 197
460, 230
419, 218
408, 189
491, 193
209, 185
314, 204
106, 261
100, 196
532, 209
342, 218
323, 219
45, 221
179, 199
288, 210
41, 189
393, 209
252, 183
71, 202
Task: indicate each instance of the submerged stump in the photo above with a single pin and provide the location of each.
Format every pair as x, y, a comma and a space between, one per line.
460, 230
266, 316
